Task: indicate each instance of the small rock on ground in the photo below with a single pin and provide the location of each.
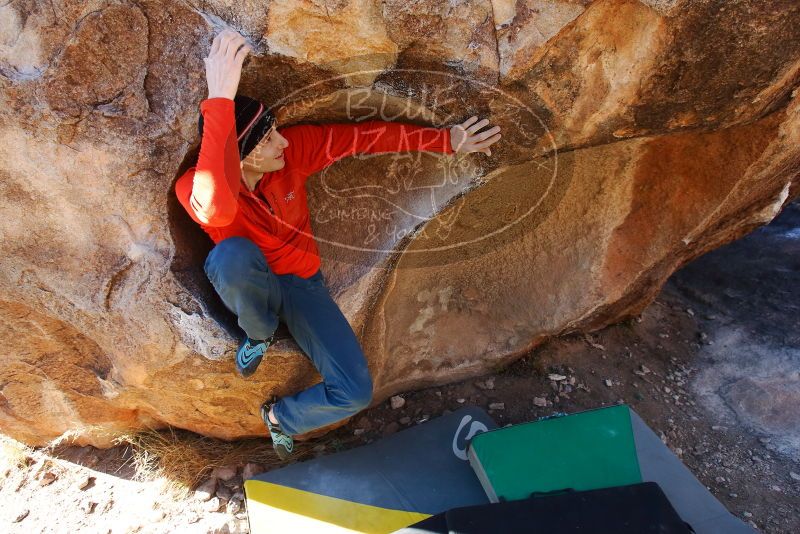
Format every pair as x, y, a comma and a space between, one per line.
206, 490
85, 482
487, 384
224, 473
87, 506
224, 492
22, 515
233, 506
48, 478
251, 469
212, 505
155, 516
237, 526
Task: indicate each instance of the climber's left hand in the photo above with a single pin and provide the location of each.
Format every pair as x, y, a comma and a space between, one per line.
465, 138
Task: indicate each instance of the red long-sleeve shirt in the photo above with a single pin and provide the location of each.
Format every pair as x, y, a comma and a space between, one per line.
275, 215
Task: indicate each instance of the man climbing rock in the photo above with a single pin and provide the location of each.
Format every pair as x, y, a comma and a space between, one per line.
247, 191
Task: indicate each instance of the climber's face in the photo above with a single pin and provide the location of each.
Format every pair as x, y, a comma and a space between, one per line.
267, 156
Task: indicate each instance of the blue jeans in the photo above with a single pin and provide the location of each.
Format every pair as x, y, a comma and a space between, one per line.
248, 287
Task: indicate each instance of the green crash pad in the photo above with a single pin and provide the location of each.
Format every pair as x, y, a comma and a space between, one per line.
562, 447
583, 451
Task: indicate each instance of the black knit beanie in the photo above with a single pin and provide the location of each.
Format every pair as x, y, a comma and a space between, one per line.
253, 122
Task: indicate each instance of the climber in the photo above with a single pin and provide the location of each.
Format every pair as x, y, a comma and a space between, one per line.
247, 191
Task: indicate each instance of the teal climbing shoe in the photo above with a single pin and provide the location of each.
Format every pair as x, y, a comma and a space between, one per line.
250, 354
281, 441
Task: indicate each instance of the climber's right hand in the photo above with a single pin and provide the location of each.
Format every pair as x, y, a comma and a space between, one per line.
224, 64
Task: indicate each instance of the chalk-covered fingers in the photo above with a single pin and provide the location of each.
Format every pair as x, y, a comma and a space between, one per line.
484, 145
233, 44
226, 45
477, 126
467, 137
486, 134
224, 64
240, 55
470, 121
215, 44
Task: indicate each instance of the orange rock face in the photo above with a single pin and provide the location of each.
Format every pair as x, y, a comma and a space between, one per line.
637, 135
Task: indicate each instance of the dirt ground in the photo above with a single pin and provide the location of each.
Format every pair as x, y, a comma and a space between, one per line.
712, 365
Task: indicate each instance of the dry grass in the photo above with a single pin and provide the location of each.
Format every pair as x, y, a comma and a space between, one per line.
13, 454
177, 460
182, 459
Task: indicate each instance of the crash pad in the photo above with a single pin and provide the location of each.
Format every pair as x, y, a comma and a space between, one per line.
380, 487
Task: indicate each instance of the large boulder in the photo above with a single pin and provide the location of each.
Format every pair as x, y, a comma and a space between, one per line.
637, 135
